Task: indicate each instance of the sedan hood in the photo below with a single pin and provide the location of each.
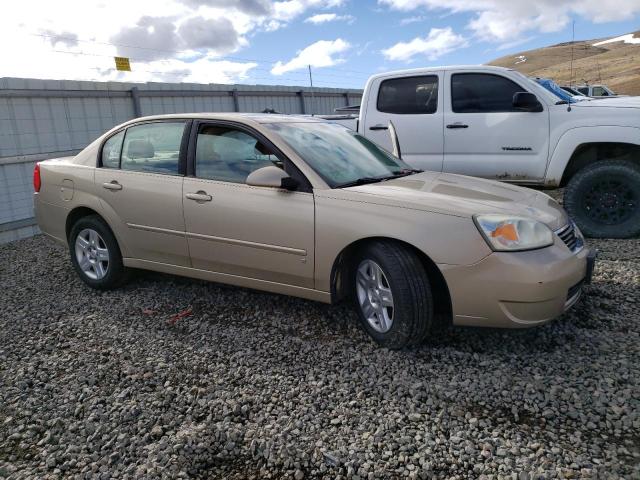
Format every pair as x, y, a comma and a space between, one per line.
464, 196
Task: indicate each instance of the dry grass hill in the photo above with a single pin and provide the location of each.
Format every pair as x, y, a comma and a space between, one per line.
616, 64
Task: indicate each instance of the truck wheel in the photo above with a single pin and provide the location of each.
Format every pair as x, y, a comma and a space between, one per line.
95, 254
392, 295
604, 199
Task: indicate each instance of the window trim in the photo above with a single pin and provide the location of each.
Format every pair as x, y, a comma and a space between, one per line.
435, 75
305, 185
488, 74
182, 155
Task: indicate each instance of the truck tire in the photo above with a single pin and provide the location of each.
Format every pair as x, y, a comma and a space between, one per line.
392, 294
603, 199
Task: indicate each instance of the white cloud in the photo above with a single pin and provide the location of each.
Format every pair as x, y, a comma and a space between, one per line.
508, 20
319, 54
437, 43
329, 17
166, 40
414, 19
287, 10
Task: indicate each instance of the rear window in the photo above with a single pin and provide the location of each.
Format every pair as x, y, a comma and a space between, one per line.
409, 95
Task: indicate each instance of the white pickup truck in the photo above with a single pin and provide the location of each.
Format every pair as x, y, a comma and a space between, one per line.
496, 123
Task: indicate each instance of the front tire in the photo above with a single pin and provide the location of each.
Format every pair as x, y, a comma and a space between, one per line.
95, 254
392, 294
604, 199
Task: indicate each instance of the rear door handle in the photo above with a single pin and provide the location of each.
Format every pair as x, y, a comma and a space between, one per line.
378, 127
457, 125
199, 196
112, 185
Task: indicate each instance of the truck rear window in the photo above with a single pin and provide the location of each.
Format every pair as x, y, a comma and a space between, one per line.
409, 95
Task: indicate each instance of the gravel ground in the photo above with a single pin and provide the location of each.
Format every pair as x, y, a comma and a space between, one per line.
254, 385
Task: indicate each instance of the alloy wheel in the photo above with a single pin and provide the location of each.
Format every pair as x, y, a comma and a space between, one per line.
374, 296
92, 254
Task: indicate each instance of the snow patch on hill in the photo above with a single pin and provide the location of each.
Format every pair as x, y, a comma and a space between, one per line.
628, 38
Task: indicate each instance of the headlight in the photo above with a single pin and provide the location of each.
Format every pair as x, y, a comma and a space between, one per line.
512, 233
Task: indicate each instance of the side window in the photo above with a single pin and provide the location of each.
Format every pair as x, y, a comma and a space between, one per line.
111, 151
153, 147
230, 155
409, 95
599, 92
584, 90
482, 93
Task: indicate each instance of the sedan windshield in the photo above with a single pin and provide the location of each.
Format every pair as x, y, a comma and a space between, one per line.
339, 155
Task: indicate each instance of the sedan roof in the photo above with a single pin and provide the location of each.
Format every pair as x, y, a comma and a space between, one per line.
255, 117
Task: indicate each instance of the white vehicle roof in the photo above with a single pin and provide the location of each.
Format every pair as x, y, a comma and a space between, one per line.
485, 68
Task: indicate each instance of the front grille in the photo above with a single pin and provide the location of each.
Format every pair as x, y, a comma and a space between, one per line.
568, 235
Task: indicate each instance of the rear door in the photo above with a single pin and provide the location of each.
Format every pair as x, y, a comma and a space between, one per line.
414, 104
233, 228
485, 136
139, 181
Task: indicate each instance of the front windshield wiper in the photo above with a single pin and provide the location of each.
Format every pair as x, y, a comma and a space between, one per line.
365, 180
405, 171
562, 102
362, 181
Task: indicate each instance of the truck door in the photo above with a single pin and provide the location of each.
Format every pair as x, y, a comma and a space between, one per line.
414, 104
485, 136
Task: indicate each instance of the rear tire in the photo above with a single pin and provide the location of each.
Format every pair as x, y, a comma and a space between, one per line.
392, 294
95, 254
603, 199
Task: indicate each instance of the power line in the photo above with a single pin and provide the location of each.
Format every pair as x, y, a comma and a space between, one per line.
301, 75
222, 57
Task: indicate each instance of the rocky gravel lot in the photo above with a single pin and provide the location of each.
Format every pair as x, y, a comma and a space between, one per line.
254, 385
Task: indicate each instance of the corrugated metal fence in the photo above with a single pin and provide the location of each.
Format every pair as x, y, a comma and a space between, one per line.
42, 119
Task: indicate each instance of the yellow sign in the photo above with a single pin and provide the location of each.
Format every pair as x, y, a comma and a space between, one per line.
122, 64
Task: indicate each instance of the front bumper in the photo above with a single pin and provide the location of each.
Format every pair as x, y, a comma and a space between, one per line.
518, 289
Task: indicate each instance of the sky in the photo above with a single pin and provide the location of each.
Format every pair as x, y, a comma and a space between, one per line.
274, 41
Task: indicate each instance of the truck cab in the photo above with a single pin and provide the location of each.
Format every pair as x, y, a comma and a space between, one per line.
496, 123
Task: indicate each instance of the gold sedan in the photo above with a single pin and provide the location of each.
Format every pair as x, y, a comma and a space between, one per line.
311, 209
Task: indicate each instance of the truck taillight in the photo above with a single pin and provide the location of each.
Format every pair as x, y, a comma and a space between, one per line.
36, 178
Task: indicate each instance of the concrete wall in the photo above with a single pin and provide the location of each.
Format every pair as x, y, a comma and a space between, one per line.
42, 119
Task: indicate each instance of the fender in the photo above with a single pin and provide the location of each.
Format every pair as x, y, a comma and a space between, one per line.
573, 138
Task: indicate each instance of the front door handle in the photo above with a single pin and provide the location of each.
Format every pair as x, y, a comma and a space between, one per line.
112, 185
379, 127
199, 196
457, 125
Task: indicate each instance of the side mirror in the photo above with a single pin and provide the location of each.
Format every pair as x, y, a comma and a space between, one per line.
526, 102
273, 177
395, 141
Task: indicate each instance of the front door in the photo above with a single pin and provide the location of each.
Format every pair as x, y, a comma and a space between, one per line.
140, 187
414, 105
233, 228
485, 136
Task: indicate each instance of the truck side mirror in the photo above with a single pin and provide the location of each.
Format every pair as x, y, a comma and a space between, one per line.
526, 102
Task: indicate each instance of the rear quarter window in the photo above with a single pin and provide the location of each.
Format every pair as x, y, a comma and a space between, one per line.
111, 151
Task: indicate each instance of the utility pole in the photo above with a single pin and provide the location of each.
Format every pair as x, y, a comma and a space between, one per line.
313, 100
573, 37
